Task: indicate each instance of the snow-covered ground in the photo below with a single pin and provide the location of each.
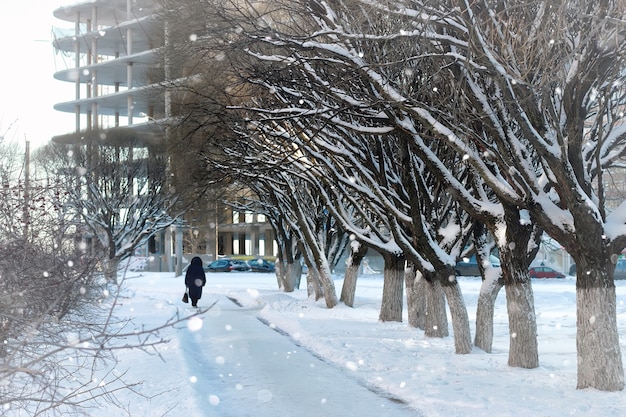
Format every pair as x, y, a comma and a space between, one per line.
260, 352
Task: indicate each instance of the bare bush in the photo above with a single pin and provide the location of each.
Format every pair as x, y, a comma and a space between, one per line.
59, 331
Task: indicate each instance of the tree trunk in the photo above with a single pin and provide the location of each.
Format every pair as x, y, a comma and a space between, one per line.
420, 294
597, 340
328, 285
110, 269
280, 272
297, 274
288, 278
458, 312
313, 288
484, 311
515, 257
393, 276
412, 297
523, 351
436, 320
320, 285
348, 289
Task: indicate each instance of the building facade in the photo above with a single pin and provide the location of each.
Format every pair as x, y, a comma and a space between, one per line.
112, 51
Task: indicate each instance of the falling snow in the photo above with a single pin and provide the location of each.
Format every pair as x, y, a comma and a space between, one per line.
279, 354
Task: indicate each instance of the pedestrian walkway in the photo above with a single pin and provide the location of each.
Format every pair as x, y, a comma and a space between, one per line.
246, 368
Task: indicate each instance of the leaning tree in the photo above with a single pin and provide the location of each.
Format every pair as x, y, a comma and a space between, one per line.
538, 118
549, 108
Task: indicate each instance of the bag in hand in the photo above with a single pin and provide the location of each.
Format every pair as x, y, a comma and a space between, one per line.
185, 297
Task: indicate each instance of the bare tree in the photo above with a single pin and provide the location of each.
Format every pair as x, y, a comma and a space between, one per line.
541, 98
54, 305
549, 82
65, 313
120, 193
533, 113
306, 82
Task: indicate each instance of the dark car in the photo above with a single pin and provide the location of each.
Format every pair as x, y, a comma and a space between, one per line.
261, 265
620, 269
468, 267
237, 265
227, 265
544, 272
205, 267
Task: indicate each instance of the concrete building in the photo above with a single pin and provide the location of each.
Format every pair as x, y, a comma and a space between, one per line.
113, 56
111, 49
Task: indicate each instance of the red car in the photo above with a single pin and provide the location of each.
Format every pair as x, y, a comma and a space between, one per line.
544, 272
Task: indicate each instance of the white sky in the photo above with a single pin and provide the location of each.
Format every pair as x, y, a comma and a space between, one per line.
29, 90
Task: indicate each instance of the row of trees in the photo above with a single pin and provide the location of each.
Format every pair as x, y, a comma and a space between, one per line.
421, 130
417, 128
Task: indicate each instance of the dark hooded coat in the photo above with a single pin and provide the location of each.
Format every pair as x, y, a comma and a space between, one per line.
195, 278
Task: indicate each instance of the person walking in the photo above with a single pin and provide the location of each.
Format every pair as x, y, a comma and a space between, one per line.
195, 279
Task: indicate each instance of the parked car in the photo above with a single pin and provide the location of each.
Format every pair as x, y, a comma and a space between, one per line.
544, 272
237, 265
468, 267
620, 269
227, 265
261, 265
204, 266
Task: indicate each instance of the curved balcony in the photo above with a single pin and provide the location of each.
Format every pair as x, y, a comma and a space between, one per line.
112, 72
108, 12
112, 41
146, 101
114, 45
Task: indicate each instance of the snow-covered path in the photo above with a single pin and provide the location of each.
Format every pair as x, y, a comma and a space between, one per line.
242, 368
227, 362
